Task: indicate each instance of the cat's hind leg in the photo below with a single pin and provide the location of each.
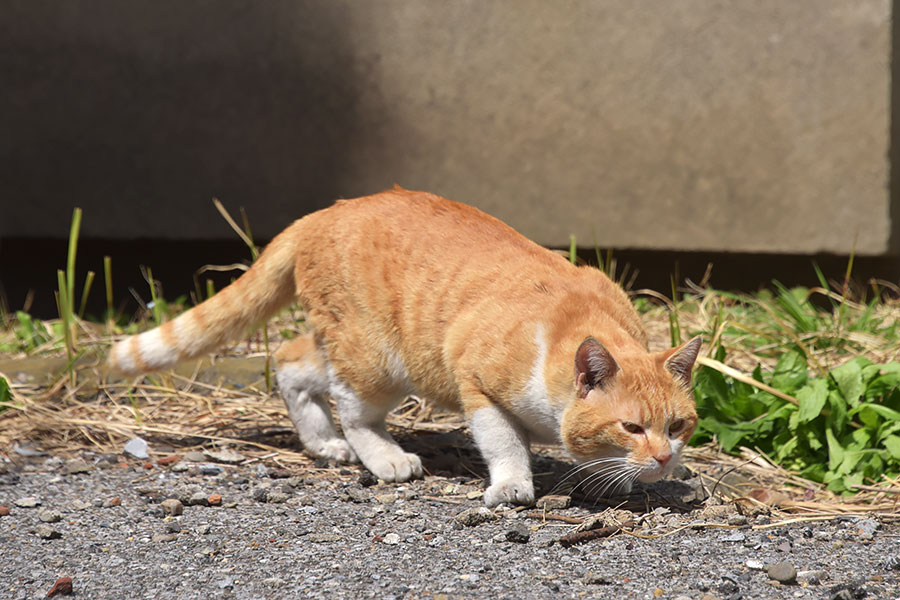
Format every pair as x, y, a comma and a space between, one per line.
363, 425
303, 380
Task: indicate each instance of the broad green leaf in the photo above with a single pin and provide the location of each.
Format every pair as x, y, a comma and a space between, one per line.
835, 451
4, 390
790, 372
888, 413
892, 443
848, 377
812, 398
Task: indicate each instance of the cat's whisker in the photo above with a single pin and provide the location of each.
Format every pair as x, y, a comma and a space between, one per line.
612, 466
571, 473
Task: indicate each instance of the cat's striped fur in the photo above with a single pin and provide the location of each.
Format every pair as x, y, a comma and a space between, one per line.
409, 293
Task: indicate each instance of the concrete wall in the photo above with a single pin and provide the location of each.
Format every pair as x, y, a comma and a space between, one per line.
696, 124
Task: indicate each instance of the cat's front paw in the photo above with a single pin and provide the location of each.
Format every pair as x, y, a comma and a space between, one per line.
399, 466
335, 449
511, 491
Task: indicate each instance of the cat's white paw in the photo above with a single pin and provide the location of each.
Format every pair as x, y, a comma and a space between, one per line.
335, 449
511, 491
399, 466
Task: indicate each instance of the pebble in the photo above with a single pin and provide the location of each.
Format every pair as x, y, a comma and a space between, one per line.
164, 537
215, 500
208, 469
62, 587
45, 532
78, 504
366, 479
755, 564
203, 528
391, 539
4, 511
474, 495
735, 536
518, 534
76, 466
165, 461
173, 527
260, 494
814, 577
554, 502
114, 501
736, 520
198, 499
194, 456
136, 447
386, 498
49, 516
225, 455
28, 502
277, 497
172, 506
358, 496
474, 516
180, 467
782, 572
866, 528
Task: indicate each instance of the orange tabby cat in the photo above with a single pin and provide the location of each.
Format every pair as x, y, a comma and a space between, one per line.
409, 293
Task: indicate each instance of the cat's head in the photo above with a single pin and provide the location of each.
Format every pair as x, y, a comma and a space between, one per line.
631, 417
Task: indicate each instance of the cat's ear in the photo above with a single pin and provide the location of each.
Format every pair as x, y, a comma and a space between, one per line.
594, 366
680, 361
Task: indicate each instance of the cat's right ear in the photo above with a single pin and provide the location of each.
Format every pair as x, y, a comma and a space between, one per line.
594, 366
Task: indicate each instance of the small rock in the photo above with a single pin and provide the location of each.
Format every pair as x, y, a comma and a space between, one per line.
180, 467
45, 532
173, 527
226, 583
79, 504
225, 455
203, 528
76, 466
49, 516
194, 456
736, 520
165, 461
734, 536
172, 506
114, 501
474, 516
277, 498
260, 494
813, 577
554, 502
782, 572
391, 539
866, 528
137, 448
62, 587
215, 500
518, 534
279, 474
4, 511
366, 479
209, 469
357, 496
823, 536
164, 537
198, 499
28, 502
474, 495
754, 564
709, 597
386, 498
592, 579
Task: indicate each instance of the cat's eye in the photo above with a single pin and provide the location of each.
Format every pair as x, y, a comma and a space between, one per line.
633, 428
676, 426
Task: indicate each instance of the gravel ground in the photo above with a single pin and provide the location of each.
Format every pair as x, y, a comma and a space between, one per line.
331, 532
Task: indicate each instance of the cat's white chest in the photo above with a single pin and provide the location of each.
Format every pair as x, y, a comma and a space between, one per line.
533, 408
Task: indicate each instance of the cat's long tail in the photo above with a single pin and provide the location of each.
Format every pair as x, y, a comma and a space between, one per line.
257, 295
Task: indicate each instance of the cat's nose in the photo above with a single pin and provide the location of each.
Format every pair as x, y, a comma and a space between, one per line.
663, 459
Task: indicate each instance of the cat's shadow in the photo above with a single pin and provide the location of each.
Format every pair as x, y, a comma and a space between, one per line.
453, 454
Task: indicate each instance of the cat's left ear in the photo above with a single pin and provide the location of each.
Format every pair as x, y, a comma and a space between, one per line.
680, 361
594, 366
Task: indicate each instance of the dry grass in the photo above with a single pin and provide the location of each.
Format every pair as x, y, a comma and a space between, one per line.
184, 411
